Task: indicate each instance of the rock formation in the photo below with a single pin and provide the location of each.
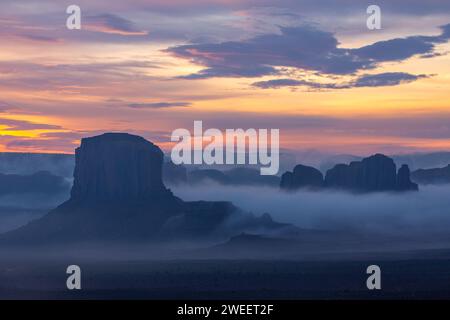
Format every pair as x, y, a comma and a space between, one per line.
60, 165
301, 177
174, 174
375, 173
39, 182
372, 174
117, 167
403, 180
432, 176
118, 195
240, 176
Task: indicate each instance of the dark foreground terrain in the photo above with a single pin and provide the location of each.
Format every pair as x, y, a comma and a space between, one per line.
424, 277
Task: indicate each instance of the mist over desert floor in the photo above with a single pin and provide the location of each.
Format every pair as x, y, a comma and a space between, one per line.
200, 239
352, 223
424, 214
341, 234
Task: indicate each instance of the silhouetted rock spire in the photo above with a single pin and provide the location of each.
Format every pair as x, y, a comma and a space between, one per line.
403, 180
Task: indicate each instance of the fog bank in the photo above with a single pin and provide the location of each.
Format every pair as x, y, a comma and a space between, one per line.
425, 213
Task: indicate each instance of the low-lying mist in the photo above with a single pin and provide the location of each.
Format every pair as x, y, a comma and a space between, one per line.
375, 221
422, 215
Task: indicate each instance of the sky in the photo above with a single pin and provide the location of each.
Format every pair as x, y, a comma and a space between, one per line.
311, 69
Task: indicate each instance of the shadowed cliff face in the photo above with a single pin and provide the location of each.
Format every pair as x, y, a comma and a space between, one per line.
373, 174
404, 182
117, 167
376, 173
302, 177
118, 195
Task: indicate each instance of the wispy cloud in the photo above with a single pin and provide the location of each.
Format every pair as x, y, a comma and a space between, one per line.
27, 75
158, 105
385, 79
40, 38
13, 125
367, 80
110, 23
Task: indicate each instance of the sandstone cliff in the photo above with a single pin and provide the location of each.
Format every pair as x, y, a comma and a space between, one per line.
118, 195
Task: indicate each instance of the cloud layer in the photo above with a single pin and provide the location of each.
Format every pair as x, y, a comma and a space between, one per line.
158, 105
305, 48
367, 80
421, 217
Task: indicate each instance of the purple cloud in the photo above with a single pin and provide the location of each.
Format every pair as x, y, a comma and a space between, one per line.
110, 23
368, 80
304, 48
158, 105
27, 75
40, 38
13, 125
5, 106
386, 79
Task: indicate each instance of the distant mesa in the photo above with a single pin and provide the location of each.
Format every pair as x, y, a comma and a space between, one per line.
40, 182
118, 195
302, 177
432, 176
251, 177
241, 176
29, 163
117, 167
201, 176
372, 174
417, 161
375, 173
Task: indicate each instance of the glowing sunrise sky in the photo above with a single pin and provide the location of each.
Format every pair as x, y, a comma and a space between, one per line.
309, 68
